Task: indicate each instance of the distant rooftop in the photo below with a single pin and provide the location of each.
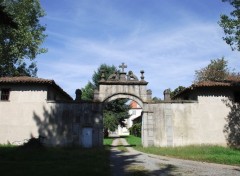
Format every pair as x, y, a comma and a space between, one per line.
229, 82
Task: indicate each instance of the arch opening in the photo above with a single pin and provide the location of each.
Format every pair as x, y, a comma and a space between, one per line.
134, 115
124, 96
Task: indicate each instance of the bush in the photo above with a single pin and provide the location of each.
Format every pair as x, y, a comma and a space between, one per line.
33, 143
136, 129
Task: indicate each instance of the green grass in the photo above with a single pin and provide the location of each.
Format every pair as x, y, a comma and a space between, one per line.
108, 141
206, 153
53, 161
133, 140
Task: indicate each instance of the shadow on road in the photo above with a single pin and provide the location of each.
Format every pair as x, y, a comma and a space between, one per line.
128, 163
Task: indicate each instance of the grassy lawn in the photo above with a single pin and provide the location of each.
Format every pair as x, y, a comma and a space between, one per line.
135, 141
207, 153
108, 141
53, 161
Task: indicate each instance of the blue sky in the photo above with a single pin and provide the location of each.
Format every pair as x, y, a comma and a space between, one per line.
168, 39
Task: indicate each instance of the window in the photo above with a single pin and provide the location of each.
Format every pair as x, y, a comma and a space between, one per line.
5, 94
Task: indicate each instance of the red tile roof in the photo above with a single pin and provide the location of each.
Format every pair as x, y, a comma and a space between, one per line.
210, 84
233, 79
27, 79
226, 83
133, 104
24, 79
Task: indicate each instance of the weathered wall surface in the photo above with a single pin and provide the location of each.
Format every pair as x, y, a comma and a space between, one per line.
177, 124
27, 114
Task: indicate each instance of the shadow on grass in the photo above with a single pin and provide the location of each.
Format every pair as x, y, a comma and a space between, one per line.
55, 161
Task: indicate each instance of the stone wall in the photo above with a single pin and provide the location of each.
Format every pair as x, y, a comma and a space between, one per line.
177, 124
28, 114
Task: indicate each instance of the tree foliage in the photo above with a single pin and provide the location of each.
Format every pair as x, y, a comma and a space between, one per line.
20, 45
5, 18
156, 100
217, 70
88, 91
177, 90
231, 25
110, 122
136, 129
108, 70
119, 109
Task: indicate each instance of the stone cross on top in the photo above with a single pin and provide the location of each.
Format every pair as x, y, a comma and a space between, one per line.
122, 67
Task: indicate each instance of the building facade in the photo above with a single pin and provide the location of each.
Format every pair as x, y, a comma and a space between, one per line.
33, 107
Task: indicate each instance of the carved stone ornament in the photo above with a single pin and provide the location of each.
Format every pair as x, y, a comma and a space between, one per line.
114, 76
131, 76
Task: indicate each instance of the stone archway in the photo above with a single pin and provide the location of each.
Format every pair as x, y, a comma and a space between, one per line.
122, 84
127, 85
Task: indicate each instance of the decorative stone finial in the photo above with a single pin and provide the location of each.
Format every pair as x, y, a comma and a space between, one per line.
78, 93
131, 76
149, 94
122, 67
102, 75
114, 76
166, 94
142, 76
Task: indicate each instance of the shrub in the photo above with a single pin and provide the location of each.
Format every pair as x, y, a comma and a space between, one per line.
136, 129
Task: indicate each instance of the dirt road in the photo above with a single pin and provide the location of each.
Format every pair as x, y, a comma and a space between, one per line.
132, 162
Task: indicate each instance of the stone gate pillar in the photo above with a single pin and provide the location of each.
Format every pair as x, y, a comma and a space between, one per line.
148, 129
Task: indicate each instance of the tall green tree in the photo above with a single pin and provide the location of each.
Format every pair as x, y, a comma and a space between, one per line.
231, 25
108, 70
115, 111
20, 45
88, 91
217, 70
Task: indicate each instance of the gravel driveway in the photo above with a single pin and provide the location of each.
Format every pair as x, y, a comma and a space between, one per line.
132, 162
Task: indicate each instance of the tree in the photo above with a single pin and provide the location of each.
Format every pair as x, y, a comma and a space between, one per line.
110, 122
108, 70
217, 70
20, 45
136, 129
115, 111
177, 90
156, 100
88, 91
231, 25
